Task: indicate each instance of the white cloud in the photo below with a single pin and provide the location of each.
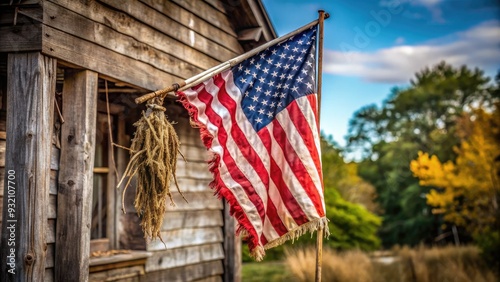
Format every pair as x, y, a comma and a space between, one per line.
477, 47
431, 5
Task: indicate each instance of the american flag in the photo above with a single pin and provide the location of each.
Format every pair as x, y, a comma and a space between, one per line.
259, 119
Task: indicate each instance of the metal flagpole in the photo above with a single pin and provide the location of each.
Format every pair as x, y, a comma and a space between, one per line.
321, 230
220, 68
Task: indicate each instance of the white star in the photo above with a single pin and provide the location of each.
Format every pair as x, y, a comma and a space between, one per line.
262, 80
251, 108
300, 42
265, 70
262, 56
295, 88
295, 49
287, 47
278, 65
291, 57
280, 104
274, 74
309, 42
240, 67
274, 52
273, 104
247, 71
270, 83
261, 111
282, 76
309, 85
299, 59
269, 61
309, 63
268, 93
282, 55
264, 102
303, 51
289, 76
250, 83
304, 71
252, 61
258, 120
257, 66
276, 94
295, 67
255, 98
258, 89
286, 86
270, 114
278, 86
287, 66
246, 93
243, 80
254, 75
299, 79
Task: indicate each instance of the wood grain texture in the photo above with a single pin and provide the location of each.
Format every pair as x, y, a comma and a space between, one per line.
187, 237
205, 20
159, 21
75, 175
232, 248
184, 256
186, 273
122, 23
93, 57
30, 96
189, 219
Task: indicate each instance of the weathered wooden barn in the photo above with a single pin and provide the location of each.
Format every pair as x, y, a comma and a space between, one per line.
59, 60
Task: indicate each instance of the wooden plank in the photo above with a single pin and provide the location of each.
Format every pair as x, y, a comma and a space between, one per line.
232, 248
2, 153
186, 273
194, 153
75, 175
187, 237
30, 91
122, 23
169, 27
21, 38
189, 219
172, 258
217, 278
194, 184
53, 182
52, 207
196, 201
51, 231
54, 158
49, 275
96, 58
125, 274
205, 21
195, 169
49, 262
2, 177
220, 5
108, 38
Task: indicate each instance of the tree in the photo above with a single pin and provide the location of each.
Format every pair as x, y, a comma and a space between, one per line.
421, 117
467, 190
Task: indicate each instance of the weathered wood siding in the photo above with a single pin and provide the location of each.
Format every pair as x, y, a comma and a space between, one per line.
147, 43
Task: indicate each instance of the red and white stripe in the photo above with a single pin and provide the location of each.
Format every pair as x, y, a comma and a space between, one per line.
271, 178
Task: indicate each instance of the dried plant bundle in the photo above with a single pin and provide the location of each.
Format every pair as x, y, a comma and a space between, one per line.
153, 159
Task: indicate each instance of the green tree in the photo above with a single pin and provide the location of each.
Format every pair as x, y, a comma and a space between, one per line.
421, 117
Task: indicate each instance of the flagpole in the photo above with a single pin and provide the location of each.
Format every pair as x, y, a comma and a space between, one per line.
220, 68
321, 231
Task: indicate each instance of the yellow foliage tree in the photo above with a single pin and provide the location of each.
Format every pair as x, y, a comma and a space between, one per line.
467, 190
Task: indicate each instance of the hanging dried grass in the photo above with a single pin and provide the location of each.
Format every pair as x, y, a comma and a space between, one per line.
153, 159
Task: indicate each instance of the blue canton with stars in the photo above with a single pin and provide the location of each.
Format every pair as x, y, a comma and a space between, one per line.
275, 77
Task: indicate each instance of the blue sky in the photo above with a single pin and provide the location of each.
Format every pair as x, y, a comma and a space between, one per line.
374, 45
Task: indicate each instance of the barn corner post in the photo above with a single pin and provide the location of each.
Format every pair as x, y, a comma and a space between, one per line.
76, 175
31, 79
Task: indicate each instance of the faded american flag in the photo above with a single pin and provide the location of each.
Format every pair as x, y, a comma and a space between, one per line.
259, 119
